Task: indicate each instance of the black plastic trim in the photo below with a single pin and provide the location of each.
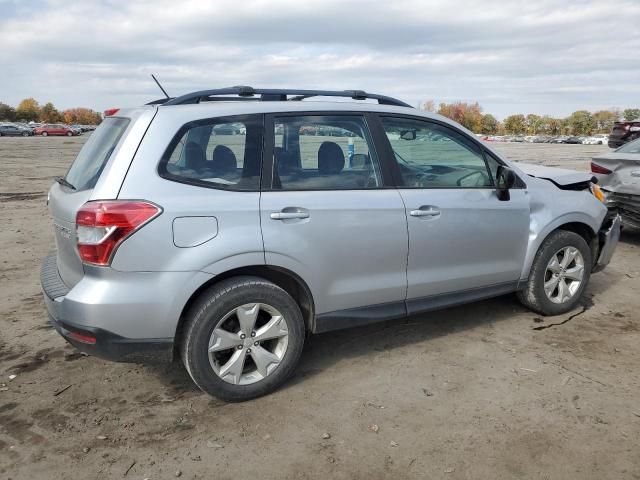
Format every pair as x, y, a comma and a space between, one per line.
272, 94
445, 300
110, 346
356, 317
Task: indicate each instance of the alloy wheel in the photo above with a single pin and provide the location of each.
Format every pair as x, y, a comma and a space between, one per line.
248, 343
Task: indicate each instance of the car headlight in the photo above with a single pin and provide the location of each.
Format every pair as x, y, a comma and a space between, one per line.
597, 192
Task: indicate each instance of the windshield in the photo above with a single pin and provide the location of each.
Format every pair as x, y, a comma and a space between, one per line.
88, 165
631, 147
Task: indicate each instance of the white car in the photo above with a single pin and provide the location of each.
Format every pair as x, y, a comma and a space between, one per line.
597, 139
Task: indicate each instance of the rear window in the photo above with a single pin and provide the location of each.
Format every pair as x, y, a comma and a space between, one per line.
631, 147
220, 153
94, 155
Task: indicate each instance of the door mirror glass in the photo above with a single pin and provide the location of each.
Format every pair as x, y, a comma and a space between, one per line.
505, 180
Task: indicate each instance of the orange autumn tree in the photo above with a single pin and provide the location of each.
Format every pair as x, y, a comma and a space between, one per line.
81, 116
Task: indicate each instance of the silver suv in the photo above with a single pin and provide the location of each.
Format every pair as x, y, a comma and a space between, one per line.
224, 226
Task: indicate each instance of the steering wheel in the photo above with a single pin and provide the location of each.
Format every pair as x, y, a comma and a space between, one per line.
480, 182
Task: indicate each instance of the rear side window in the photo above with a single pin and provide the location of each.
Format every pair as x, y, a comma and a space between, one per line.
324, 153
218, 153
94, 155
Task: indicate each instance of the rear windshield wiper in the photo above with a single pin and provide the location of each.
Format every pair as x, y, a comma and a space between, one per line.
65, 182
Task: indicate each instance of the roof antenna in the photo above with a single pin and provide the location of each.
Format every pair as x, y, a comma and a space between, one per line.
158, 83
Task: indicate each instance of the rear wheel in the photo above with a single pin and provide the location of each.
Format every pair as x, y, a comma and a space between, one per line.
25, 134
243, 338
559, 274
44, 134
69, 134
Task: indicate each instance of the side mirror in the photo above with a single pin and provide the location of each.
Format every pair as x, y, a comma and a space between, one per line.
408, 135
505, 180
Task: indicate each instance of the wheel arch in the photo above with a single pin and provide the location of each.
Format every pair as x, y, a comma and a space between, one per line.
284, 278
580, 224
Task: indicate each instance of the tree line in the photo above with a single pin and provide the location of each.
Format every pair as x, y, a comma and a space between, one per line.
581, 122
29, 110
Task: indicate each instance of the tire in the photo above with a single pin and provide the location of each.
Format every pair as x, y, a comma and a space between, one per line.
69, 134
44, 134
534, 296
214, 309
25, 134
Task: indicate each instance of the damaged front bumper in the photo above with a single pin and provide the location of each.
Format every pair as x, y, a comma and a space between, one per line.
608, 237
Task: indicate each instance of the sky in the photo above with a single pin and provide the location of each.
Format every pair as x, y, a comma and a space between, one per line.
545, 57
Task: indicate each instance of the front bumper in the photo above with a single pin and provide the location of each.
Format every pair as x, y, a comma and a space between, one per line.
608, 236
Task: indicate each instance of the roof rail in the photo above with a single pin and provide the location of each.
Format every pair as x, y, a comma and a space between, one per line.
274, 94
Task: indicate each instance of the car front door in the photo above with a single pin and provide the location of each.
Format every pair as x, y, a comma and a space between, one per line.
463, 240
329, 215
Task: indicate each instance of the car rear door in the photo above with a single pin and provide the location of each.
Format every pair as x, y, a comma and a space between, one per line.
329, 215
462, 239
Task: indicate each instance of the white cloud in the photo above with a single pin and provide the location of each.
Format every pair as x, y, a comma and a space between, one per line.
519, 57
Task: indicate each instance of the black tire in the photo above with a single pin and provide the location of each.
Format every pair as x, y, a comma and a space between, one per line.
25, 134
204, 315
533, 295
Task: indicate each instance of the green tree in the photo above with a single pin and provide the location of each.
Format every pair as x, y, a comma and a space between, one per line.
552, 126
515, 124
603, 120
7, 113
631, 114
580, 123
28, 110
489, 124
534, 124
49, 114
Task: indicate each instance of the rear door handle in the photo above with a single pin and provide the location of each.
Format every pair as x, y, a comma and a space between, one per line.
425, 211
288, 215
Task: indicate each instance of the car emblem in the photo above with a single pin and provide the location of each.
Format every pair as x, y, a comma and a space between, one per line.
635, 173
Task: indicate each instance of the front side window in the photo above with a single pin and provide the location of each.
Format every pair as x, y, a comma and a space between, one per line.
430, 155
322, 152
220, 153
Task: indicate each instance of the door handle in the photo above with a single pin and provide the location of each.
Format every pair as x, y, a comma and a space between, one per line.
288, 215
425, 211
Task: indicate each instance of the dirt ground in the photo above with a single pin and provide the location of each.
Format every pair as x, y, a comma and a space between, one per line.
487, 390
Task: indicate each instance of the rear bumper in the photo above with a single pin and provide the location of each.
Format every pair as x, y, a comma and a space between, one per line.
110, 346
609, 236
128, 316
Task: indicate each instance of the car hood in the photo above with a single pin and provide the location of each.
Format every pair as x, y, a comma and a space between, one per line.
560, 176
625, 172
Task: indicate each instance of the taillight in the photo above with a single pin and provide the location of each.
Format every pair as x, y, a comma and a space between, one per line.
103, 225
595, 168
111, 111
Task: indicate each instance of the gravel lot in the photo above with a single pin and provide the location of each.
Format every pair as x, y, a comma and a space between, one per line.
487, 390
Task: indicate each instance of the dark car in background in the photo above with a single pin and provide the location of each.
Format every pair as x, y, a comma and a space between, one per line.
624, 132
55, 129
573, 140
14, 131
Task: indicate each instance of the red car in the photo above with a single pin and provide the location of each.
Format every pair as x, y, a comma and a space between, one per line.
54, 129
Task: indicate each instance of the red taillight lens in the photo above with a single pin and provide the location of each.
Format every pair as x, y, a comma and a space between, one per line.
111, 111
595, 168
102, 226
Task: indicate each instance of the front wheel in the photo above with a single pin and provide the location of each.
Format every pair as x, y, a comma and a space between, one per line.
44, 134
69, 134
243, 338
559, 274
